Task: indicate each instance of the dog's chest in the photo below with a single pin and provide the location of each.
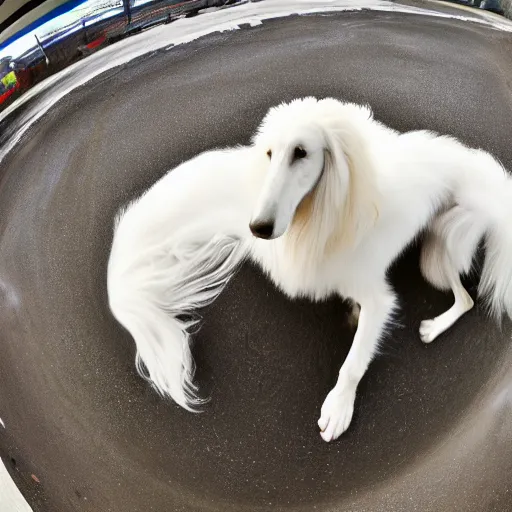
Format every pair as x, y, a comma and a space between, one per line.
306, 274
299, 274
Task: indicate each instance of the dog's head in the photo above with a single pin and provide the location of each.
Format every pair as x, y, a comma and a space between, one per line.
318, 172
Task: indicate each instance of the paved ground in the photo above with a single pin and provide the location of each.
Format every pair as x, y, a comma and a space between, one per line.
432, 426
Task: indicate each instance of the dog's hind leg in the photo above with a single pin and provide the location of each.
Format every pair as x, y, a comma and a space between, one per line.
448, 252
431, 329
338, 407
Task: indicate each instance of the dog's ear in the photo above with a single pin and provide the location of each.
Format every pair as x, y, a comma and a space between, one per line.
344, 205
348, 181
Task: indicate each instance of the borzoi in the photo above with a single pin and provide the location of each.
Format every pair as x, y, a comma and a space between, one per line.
324, 200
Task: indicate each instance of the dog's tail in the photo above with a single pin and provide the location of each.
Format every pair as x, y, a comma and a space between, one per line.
483, 211
496, 281
156, 302
174, 250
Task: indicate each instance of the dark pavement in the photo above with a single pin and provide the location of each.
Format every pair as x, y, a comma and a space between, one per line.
433, 424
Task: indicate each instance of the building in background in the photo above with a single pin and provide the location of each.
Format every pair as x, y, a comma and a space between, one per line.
41, 37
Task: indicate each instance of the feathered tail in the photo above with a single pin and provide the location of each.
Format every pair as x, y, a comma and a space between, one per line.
157, 302
174, 251
496, 281
483, 211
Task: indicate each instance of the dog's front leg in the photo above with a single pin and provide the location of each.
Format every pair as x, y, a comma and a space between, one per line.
338, 407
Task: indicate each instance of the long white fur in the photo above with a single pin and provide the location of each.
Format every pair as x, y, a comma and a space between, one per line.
340, 216
174, 250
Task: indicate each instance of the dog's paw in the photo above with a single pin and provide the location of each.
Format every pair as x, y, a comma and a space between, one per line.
430, 330
336, 413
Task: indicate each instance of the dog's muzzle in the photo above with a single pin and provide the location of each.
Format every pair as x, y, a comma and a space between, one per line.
263, 230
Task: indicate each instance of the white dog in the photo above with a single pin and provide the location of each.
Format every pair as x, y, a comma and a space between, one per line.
331, 197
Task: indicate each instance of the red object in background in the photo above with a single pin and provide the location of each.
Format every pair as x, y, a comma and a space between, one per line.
97, 42
7, 94
25, 80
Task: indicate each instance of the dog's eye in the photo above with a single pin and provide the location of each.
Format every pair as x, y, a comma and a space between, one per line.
299, 153
269, 153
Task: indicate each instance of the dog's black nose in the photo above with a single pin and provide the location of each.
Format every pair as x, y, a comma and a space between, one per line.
262, 229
